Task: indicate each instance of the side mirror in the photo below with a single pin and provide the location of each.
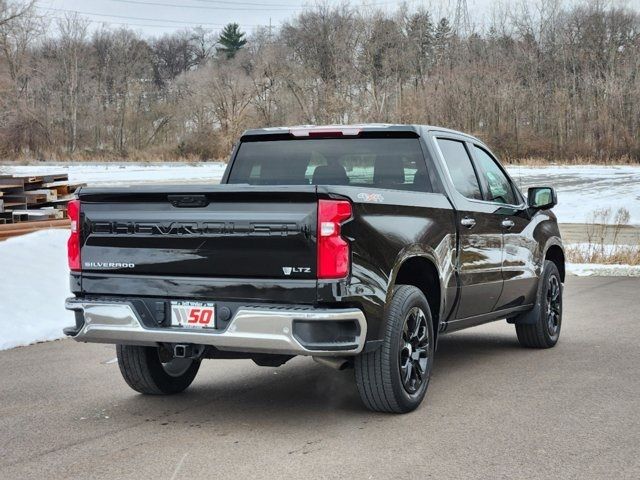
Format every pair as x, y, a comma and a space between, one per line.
542, 198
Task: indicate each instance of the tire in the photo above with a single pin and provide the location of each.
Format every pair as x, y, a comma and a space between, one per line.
381, 375
540, 327
143, 370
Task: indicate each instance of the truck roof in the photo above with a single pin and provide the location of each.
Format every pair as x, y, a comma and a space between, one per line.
367, 127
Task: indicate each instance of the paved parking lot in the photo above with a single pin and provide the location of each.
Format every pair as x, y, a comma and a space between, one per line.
493, 410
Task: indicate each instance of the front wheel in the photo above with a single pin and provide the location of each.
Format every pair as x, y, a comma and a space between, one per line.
540, 327
147, 370
394, 378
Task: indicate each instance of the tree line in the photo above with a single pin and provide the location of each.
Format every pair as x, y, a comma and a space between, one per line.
544, 80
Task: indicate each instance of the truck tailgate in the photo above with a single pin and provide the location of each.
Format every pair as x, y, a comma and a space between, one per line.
214, 231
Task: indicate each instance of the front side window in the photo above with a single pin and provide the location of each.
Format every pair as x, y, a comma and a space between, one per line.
392, 163
500, 188
460, 168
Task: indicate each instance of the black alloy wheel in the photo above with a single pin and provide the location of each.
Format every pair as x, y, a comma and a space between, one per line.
414, 350
554, 305
540, 326
394, 377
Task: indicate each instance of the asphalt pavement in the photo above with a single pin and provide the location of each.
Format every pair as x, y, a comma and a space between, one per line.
493, 410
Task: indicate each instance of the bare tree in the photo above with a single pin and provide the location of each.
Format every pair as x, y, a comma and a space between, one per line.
544, 79
10, 11
71, 54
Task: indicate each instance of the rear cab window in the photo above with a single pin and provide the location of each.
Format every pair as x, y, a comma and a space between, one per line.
390, 163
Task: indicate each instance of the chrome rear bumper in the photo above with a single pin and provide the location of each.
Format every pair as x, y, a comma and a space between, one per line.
252, 329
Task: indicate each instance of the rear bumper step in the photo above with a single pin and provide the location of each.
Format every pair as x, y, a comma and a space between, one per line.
292, 331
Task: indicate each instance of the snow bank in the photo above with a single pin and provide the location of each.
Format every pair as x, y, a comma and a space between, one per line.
598, 270
35, 282
127, 173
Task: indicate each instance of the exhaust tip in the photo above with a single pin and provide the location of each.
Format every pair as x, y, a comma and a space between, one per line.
337, 363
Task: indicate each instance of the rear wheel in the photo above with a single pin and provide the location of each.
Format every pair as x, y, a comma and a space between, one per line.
148, 370
395, 377
540, 328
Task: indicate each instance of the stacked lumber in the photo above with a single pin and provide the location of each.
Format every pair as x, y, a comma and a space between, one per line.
33, 202
13, 230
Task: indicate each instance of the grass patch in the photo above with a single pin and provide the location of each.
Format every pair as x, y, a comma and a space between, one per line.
603, 241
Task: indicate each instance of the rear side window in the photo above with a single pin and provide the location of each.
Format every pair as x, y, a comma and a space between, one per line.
460, 168
392, 163
500, 188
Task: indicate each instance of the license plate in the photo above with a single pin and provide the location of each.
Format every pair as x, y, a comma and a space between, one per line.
193, 314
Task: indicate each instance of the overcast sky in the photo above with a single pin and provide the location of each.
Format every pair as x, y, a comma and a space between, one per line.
155, 17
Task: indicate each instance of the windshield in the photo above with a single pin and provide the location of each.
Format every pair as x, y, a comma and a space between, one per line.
392, 163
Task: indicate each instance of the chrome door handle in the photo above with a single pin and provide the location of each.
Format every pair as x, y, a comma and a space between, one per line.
468, 222
508, 224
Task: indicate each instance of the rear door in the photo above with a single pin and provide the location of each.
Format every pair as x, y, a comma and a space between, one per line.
479, 232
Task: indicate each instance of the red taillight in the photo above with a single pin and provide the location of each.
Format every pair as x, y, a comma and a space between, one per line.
73, 245
333, 250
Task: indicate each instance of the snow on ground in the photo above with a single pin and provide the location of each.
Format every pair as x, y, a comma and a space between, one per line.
35, 283
581, 189
597, 270
584, 188
127, 173
602, 270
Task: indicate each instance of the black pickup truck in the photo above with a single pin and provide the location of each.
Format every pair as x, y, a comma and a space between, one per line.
357, 245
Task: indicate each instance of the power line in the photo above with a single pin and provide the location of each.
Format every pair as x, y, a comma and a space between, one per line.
180, 22
201, 7
176, 22
103, 22
255, 4
250, 4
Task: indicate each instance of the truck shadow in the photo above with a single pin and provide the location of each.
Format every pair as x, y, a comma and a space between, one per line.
459, 349
303, 391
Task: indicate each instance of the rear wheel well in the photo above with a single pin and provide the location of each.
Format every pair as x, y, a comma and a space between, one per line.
423, 274
556, 255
